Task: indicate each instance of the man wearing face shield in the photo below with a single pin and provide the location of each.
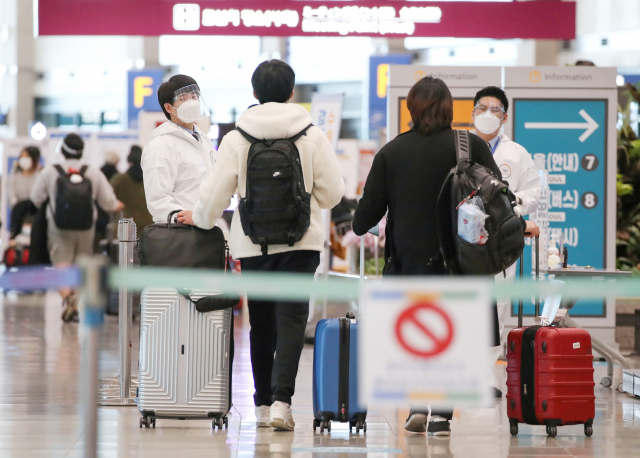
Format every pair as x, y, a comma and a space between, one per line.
179, 155
517, 168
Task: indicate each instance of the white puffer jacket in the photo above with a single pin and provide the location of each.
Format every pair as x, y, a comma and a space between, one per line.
229, 175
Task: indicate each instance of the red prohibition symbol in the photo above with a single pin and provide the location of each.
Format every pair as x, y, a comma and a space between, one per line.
412, 316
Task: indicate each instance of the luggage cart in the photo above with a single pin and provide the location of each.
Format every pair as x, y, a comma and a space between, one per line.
609, 354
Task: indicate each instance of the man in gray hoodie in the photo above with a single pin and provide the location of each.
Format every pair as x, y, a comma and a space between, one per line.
66, 244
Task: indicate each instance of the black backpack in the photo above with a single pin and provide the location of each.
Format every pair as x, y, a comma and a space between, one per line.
276, 209
74, 202
506, 235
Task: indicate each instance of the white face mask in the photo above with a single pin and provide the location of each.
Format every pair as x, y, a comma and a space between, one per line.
487, 123
189, 111
25, 163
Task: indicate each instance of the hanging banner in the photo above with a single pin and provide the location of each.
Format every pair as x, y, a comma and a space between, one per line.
283, 18
326, 111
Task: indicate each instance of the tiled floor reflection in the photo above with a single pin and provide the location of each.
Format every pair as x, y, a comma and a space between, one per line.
40, 410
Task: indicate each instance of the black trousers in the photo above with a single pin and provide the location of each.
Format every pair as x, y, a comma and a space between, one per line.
277, 329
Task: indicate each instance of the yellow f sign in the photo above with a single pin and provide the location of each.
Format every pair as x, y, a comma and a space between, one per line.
383, 77
141, 89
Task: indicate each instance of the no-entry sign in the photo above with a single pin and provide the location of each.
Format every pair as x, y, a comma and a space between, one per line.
424, 330
425, 343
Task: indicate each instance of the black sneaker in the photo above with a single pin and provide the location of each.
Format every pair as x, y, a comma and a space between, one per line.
439, 426
416, 423
496, 393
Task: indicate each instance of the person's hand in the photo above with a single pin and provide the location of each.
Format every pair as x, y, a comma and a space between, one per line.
119, 206
186, 217
532, 230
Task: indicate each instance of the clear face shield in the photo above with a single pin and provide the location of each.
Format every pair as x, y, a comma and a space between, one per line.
189, 104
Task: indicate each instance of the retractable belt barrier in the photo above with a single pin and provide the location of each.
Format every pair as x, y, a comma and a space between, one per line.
291, 286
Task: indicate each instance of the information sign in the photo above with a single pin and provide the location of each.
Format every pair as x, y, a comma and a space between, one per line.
570, 138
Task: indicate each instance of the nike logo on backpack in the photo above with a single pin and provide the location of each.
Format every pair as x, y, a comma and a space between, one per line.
276, 174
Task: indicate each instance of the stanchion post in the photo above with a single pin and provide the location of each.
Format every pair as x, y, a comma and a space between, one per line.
360, 296
93, 303
127, 235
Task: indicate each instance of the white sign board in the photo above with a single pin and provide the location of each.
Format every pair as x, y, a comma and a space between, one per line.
326, 112
348, 153
425, 342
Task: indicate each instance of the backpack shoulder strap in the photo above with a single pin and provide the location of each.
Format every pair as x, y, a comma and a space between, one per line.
443, 216
463, 144
249, 138
83, 170
296, 137
60, 170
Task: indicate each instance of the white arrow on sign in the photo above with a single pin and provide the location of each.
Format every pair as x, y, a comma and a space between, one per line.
590, 125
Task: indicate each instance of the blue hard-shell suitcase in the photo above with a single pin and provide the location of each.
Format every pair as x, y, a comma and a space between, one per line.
335, 375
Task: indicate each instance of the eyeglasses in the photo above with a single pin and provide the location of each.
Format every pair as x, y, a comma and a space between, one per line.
497, 111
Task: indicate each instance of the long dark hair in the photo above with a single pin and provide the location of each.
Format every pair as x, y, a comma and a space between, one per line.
34, 154
430, 104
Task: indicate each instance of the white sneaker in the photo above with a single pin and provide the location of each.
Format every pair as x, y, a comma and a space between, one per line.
281, 417
416, 423
262, 416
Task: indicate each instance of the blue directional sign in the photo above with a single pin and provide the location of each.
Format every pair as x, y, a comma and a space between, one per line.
142, 93
569, 136
378, 78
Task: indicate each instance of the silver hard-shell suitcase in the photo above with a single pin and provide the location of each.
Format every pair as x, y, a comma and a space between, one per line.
184, 359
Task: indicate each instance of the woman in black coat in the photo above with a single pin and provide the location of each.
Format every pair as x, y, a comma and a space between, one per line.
404, 183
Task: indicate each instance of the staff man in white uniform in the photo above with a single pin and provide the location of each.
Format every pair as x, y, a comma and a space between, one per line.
517, 167
179, 156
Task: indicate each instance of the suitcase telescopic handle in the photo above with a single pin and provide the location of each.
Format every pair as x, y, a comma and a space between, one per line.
521, 300
537, 250
537, 298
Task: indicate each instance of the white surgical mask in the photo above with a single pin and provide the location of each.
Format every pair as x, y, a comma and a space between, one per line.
487, 123
25, 163
189, 111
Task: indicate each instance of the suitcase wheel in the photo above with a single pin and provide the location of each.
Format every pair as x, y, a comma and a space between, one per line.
220, 423
606, 382
147, 422
316, 424
588, 430
514, 429
360, 425
552, 431
325, 425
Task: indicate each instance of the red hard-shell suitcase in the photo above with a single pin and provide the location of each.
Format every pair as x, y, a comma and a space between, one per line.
550, 378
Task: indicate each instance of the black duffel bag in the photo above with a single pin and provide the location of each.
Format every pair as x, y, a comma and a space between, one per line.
181, 245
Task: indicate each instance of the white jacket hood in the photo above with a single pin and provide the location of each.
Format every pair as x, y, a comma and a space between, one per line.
274, 120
